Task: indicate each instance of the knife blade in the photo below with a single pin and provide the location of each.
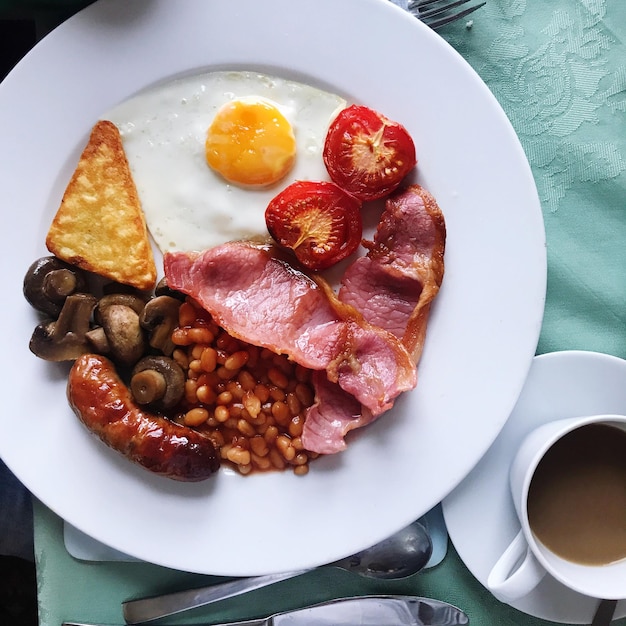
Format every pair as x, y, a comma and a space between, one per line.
387, 610
374, 611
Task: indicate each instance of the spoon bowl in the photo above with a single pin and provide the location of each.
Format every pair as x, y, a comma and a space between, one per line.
401, 555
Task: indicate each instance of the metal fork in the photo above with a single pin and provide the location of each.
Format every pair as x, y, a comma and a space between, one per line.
437, 13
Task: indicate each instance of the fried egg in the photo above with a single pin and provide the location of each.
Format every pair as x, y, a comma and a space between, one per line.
208, 152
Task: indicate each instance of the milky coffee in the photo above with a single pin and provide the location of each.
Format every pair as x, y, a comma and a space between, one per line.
577, 497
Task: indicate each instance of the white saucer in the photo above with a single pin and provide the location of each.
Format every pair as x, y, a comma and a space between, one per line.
479, 513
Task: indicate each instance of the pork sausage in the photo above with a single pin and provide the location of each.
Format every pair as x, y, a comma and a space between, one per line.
105, 405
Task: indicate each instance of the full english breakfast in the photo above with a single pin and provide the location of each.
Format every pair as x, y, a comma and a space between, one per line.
243, 353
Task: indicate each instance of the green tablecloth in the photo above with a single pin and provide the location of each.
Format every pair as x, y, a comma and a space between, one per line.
558, 69
92, 591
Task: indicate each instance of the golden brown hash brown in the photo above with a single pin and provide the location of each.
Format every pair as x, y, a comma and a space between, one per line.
100, 225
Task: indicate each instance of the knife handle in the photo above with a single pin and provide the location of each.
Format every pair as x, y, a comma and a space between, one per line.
604, 613
146, 609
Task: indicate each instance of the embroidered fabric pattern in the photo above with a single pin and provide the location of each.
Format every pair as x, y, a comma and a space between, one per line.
570, 78
559, 71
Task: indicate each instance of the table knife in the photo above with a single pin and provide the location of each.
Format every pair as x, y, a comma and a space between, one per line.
604, 613
392, 610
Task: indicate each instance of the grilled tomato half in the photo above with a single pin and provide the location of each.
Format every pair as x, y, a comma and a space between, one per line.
318, 221
367, 154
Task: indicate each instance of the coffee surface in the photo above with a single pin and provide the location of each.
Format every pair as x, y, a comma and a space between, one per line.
577, 497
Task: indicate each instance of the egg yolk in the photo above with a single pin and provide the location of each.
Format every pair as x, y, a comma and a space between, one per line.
250, 142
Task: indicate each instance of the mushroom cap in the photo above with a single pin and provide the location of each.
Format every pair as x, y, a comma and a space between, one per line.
48, 281
124, 334
163, 289
160, 317
147, 388
131, 300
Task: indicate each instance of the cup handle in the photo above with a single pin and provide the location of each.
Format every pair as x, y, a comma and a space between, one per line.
517, 572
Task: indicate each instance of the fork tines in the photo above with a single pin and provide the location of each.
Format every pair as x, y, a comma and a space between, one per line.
436, 13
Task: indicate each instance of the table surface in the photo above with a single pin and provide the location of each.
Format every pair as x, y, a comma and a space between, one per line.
559, 71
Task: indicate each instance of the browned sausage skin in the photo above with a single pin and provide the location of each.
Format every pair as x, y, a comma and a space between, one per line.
104, 404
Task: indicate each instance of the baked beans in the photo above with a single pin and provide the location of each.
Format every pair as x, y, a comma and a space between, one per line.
250, 401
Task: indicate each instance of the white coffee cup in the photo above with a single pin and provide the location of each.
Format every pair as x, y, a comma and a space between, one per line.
527, 560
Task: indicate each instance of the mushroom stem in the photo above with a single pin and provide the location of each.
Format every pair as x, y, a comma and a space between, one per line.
75, 315
58, 284
148, 386
98, 339
65, 339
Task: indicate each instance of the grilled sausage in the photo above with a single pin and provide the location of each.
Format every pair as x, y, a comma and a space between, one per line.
104, 404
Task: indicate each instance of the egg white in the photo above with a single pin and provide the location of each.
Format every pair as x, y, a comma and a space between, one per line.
187, 205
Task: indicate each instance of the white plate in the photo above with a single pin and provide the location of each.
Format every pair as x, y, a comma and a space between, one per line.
484, 325
86, 548
479, 513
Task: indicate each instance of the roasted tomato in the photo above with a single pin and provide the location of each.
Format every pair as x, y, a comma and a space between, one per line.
320, 222
367, 154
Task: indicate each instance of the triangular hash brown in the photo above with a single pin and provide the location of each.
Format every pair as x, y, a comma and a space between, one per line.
100, 225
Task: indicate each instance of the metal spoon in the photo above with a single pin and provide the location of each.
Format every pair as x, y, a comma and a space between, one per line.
399, 556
